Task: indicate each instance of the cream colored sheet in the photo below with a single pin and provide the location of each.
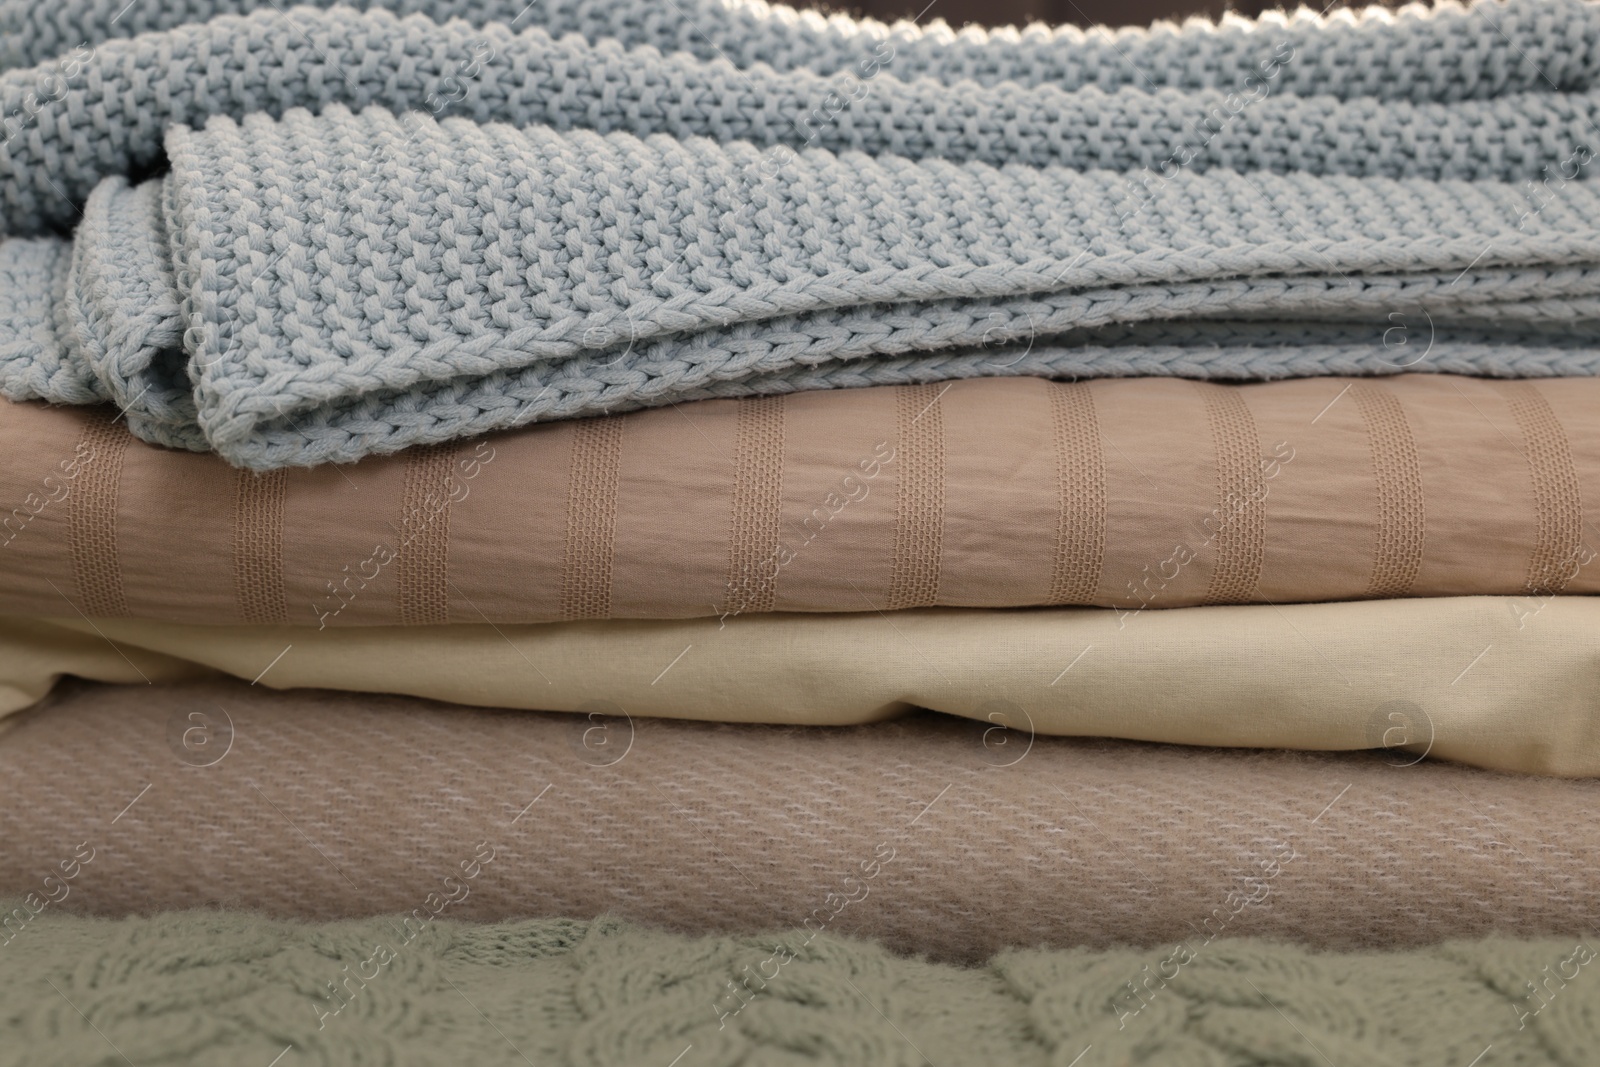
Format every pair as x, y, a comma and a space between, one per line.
1497, 682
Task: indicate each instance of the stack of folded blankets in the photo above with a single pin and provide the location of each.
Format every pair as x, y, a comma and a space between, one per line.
606, 532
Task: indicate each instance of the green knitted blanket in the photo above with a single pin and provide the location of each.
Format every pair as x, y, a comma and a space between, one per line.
218, 988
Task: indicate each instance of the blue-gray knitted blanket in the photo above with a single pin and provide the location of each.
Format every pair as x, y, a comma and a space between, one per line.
366, 231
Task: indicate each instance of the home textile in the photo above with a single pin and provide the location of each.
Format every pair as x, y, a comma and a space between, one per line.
1132, 494
1503, 683
343, 261
427, 989
976, 835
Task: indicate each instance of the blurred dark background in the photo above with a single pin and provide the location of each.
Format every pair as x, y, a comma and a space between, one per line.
1081, 12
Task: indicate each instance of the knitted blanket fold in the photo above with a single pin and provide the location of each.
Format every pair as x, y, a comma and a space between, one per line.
422, 988
1449, 52
323, 287
327, 271
1456, 98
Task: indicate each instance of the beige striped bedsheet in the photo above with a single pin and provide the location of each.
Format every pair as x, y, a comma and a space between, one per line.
1134, 494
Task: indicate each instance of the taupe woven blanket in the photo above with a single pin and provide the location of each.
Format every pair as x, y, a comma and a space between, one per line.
931, 835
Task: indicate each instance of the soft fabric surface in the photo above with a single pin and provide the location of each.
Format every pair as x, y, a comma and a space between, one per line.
1500, 683
313, 804
1408, 54
225, 987
768, 75
325, 286
1132, 494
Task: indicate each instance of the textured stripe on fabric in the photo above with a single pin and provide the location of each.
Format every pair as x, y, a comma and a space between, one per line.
1397, 479
258, 545
92, 517
757, 508
1238, 526
1558, 501
591, 518
919, 518
1081, 475
422, 568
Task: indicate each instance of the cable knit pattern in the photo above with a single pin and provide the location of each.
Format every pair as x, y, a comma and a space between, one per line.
219, 987
347, 283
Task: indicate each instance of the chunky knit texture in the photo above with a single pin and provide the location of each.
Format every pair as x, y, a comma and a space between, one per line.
217, 987
1452, 53
352, 283
1483, 116
642, 230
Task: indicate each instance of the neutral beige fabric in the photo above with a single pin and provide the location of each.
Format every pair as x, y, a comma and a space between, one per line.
927, 832
1505, 683
983, 493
